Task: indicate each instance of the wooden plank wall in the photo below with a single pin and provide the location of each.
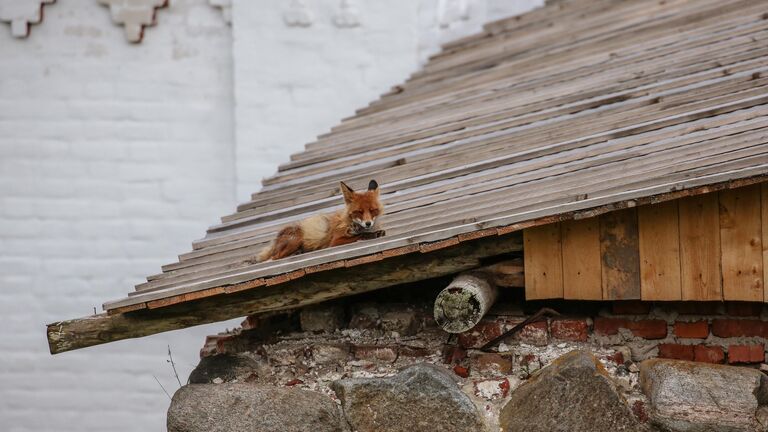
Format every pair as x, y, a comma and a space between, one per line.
704, 248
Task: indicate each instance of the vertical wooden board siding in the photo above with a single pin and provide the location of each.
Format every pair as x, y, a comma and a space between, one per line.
619, 255
700, 274
741, 244
659, 236
764, 228
581, 259
542, 257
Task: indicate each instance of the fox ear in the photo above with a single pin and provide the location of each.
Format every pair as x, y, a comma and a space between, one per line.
347, 192
373, 186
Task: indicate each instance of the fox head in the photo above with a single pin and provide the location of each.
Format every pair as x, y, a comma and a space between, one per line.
363, 207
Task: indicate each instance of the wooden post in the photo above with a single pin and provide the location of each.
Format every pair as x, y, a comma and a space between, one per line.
462, 304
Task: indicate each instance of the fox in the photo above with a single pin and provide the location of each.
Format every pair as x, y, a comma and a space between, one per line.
358, 220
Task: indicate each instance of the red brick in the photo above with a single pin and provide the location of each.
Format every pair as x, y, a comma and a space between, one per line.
504, 386
692, 330
608, 326
461, 371
484, 332
743, 309
413, 351
536, 333
708, 354
570, 329
676, 351
491, 362
738, 328
754, 353
617, 358
631, 307
648, 329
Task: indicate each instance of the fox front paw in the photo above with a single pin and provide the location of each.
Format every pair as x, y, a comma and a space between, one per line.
372, 235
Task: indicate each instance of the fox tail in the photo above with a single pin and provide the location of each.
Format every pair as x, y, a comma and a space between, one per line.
266, 252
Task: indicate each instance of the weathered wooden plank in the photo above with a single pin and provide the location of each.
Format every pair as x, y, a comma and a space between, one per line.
543, 262
659, 241
506, 274
701, 276
238, 260
741, 244
640, 160
619, 253
313, 288
506, 223
582, 278
764, 227
438, 167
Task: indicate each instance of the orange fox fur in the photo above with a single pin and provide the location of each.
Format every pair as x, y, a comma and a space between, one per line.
358, 220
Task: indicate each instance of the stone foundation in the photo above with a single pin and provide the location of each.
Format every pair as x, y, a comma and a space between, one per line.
319, 349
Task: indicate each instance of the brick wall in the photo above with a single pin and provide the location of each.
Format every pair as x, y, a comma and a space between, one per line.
114, 156
380, 333
733, 332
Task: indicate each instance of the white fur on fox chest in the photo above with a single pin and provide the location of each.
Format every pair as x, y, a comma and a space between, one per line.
316, 230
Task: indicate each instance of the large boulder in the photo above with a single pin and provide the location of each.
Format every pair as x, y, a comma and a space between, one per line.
420, 398
574, 393
701, 397
236, 407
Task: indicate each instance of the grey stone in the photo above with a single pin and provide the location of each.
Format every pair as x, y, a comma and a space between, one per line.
420, 398
400, 321
322, 318
225, 366
574, 393
330, 354
235, 407
700, 397
367, 318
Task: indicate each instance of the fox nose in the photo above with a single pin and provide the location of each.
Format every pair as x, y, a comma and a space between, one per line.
368, 224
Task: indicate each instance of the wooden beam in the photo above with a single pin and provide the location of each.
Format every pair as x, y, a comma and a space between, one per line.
505, 274
314, 288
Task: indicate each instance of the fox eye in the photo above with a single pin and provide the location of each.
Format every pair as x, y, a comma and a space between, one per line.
357, 214
374, 212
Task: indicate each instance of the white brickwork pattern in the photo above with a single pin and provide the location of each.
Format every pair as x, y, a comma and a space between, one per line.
114, 156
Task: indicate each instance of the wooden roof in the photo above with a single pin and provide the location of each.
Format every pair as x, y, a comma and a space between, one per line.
569, 110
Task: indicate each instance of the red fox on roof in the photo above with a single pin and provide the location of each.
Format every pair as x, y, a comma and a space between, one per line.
358, 220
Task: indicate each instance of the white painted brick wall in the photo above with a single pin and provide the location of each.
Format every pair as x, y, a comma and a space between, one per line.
294, 83
113, 157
